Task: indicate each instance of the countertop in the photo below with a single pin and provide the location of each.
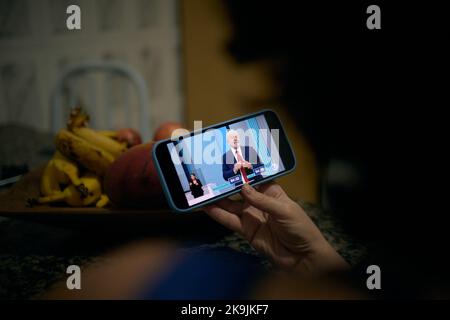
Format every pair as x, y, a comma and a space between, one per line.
34, 255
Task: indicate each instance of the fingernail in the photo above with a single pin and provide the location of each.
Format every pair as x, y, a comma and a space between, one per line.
247, 188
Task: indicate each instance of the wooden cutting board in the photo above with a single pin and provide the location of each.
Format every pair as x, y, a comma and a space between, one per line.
13, 204
14, 201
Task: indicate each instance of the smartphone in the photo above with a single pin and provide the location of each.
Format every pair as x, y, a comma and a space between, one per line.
211, 163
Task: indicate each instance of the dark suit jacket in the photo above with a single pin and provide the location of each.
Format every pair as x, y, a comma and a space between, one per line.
249, 154
196, 190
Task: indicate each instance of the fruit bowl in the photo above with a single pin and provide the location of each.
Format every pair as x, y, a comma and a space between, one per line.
14, 204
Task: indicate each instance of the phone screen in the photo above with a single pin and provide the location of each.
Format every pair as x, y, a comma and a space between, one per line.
221, 159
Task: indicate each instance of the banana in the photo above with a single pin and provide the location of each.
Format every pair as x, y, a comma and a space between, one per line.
112, 146
68, 167
113, 135
50, 180
103, 201
73, 197
78, 118
59, 171
78, 125
108, 133
83, 152
79, 145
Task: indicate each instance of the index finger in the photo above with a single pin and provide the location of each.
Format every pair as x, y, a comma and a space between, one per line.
274, 206
272, 189
225, 218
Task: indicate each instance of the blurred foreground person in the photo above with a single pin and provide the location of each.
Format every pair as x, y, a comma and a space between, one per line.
359, 97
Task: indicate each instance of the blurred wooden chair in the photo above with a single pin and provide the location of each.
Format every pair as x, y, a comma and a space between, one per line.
66, 96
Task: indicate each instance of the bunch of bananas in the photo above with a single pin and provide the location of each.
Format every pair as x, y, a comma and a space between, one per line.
74, 174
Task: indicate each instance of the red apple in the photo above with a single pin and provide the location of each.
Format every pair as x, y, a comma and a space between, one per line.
132, 180
165, 130
130, 136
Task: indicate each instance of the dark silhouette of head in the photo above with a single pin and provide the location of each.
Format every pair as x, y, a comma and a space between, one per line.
353, 92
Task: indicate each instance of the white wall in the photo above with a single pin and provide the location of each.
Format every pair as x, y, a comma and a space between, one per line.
35, 45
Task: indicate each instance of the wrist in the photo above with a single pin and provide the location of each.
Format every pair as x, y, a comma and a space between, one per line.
322, 258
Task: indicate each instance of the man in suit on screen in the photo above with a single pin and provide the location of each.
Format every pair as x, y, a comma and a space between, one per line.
239, 160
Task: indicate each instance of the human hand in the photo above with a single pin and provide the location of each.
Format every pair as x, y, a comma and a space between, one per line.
247, 165
237, 167
279, 228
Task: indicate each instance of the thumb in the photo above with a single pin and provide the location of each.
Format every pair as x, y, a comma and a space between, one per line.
261, 201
